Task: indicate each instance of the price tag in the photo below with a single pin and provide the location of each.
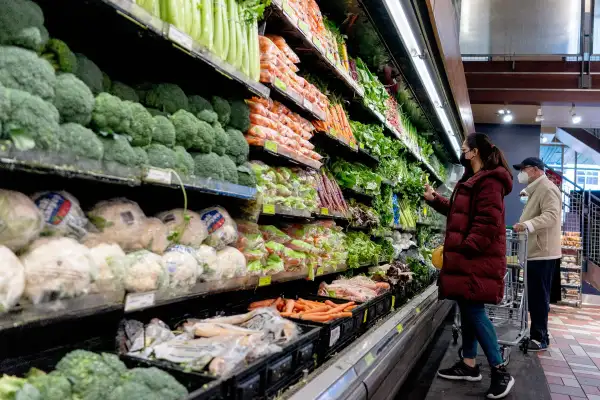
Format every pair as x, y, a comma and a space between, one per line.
331, 58
182, 39
425, 211
271, 146
362, 146
320, 271
335, 336
333, 133
318, 44
136, 301
369, 359
303, 26
290, 12
158, 175
418, 310
269, 209
307, 104
264, 281
365, 317
399, 328
393, 301
311, 274
324, 211
278, 83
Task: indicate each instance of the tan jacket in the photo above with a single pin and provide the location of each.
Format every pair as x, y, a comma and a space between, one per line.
542, 216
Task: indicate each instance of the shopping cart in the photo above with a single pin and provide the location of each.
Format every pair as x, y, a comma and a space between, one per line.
510, 316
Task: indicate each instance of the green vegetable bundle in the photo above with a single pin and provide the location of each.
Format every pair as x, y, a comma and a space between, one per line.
361, 250
356, 176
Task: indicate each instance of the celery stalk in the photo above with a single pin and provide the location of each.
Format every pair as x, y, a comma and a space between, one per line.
218, 28
233, 32
207, 24
226, 22
196, 31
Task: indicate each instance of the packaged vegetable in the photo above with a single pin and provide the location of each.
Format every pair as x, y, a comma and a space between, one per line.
293, 260
62, 214
12, 279
221, 228
182, 267
189, 231
272, 233
230, 263
206, 257
275, 248
110, 261
120, 221
20, 219
155, 235
145, 272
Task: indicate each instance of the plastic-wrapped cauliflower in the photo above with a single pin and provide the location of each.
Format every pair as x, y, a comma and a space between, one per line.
191, 233
181, 266
20, 220
120, 221
57, 268
206, 257
155, 235
110, 260
144, 272
12, 279
222, 229
230, 264
62, 214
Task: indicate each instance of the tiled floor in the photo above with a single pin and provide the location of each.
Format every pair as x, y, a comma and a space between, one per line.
572, 364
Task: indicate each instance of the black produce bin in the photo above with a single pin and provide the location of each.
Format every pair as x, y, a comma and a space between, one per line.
376, 308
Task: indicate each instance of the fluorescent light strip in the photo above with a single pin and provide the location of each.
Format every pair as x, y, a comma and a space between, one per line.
402, 26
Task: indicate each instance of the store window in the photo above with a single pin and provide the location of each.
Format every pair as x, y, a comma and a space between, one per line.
587, 178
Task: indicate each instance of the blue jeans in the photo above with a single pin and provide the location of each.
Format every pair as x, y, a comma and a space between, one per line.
476, 328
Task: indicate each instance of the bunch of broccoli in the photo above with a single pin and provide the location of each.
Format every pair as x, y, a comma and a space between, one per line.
86, 375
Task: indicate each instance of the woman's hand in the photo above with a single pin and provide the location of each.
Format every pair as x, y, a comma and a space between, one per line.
429, 193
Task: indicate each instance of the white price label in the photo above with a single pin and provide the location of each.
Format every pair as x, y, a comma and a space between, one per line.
335, 336
307, 104
182, 39
136, 301
158, 175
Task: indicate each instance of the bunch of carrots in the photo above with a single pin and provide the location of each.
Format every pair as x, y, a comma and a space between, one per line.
308, 310
336, 121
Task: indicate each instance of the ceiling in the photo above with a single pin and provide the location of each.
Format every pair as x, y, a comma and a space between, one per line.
554, 115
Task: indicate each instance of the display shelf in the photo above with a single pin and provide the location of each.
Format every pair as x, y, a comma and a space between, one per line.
570, 286
295, 101
325, 213
278, 153
277, 210
406, 229
333, 144
571, 268
357, 194
139, 16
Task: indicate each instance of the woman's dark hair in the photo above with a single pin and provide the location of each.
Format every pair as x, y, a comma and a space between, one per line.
491, 155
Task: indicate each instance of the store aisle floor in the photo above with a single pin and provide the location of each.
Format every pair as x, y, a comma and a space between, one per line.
572, 365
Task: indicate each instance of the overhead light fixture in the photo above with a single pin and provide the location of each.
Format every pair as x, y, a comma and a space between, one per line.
501, 111
539, 117
507, 118
505, 114
575, 119
402, 25
544, 138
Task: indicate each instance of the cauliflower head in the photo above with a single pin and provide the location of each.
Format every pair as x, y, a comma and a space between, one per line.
185, 227
12, 279
110, 261
73, 99
145, 272
182, 267
24, 70
80, 141
166, 97
163, 131
21, 220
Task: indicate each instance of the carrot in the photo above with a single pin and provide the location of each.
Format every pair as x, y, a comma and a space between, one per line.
262, 303
349, 308
340, 308
279, 303
317, 310
341, 315
285, 314
330, 303
289, 305
316, 318
300, 307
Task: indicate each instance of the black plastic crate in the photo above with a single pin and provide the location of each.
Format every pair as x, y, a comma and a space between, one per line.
377, 308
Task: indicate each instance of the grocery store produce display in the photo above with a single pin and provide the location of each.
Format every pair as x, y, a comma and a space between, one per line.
131, 192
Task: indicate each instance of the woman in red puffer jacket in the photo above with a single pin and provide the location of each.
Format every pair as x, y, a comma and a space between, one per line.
475, 256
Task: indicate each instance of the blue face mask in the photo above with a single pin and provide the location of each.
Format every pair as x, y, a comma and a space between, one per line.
524, 199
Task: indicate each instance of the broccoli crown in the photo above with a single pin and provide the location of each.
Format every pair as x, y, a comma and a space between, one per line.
81, 141
246, 176
186, 128
124, 92
208, 166
155, 112
240, 116
140, 156
24, 70
52, 386
22, 24
238, 148
106, 82
222, 108
141, 124
208, 116
133, 391
73, 99
110, 114
160, 382
229, 170
205, 137
198, 104
221, 139
184, 162
22, 112
160, 156
119, 150
89, 73
166, 97
163, 131
60, 56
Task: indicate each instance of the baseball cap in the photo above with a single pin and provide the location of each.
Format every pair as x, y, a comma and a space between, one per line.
529, 162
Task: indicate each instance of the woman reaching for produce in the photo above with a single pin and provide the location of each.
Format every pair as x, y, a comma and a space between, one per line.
474, 256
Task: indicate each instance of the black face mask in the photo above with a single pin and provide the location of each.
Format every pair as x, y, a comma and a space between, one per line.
464, 162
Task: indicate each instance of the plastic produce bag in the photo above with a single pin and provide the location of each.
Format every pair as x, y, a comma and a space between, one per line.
110, 260
12, 279
222, 230
191, 233
230, 263
62, 214
120, 221
155, 235
145, 272
182, 267
206, 257
271, 233
20, 220
57, 268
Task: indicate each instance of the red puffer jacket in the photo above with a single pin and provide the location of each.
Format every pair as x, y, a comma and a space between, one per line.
475, 244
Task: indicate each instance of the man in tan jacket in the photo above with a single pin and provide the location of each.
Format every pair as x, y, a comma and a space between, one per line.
541, 218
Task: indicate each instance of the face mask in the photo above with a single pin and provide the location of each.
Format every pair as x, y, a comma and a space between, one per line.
463, 160
523, 177
524, 199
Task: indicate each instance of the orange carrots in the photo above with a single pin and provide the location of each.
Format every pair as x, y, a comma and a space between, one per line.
340, 308
308, 310
289, 306
262, 303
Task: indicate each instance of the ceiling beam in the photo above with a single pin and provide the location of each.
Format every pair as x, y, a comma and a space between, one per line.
533, 67
533, 96
522, 81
